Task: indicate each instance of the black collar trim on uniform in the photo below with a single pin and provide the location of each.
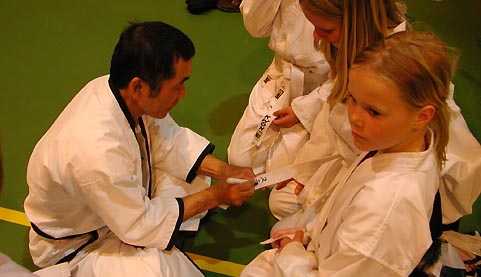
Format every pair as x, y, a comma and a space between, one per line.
123, 106
131, 121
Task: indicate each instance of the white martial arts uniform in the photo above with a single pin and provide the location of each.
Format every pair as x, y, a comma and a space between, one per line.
308, 109
332, 132
297, 69
86, 176
458, 189
374, 222
9, 268
327, 139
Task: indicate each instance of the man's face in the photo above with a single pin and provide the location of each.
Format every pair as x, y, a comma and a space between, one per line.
170, 92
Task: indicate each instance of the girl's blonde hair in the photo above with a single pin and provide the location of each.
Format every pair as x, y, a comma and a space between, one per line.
363, 22
420, 66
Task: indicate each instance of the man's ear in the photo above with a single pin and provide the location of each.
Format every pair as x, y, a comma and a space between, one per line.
424, 116
135, 86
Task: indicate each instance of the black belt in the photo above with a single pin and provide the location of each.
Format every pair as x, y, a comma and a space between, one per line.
94, 235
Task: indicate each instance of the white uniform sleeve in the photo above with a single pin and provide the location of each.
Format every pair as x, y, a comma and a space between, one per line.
132, 216
307, 107
459, 186
100, 188
176, 150
12, 269
319, 144
259, 16
110, 182
348, 262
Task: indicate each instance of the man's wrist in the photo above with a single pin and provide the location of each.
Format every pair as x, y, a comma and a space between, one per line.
217, 197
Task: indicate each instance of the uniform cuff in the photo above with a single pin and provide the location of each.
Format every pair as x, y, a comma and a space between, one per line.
177, 224
193, 171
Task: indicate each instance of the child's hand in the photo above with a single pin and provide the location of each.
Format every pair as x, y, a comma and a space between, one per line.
280, 235
297, 190
285, 117
283, 184
286, 240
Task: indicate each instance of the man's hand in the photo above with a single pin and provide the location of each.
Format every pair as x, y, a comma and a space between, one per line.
221, 192
240, 172
218, 169
285, 117
233, 194
218, 194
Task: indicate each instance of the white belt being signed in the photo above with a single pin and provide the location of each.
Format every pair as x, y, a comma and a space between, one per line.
285, 173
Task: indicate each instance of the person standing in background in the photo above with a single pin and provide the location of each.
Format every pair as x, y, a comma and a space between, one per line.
297, 68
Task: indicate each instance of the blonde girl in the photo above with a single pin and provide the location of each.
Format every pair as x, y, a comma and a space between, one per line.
342, 28
375, 222
362, 22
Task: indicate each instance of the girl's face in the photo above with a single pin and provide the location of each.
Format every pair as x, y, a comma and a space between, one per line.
378, 116
326, 30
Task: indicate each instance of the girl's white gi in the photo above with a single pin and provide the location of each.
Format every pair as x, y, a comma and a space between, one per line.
374, 222
459, 186
297, 69
85, 174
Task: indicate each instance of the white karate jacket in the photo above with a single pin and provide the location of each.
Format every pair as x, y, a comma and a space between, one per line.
85, 174
289, 30
374, 222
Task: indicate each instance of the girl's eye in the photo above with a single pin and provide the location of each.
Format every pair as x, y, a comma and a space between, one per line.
374, 112
350, 99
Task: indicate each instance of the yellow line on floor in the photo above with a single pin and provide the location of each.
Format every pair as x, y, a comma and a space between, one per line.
217, 266
204, 262
14, 217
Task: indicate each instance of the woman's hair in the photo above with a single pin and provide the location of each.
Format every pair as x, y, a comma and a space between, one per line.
420, 66
363, 22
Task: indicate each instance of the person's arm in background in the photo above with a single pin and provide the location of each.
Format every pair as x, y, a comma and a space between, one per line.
259, 16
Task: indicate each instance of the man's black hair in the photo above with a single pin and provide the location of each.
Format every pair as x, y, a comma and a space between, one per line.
148, 50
